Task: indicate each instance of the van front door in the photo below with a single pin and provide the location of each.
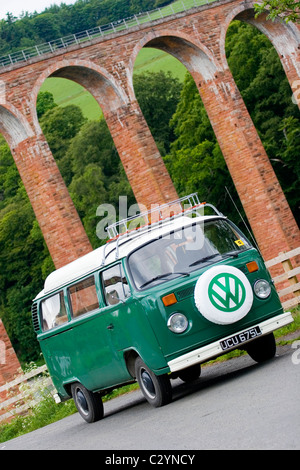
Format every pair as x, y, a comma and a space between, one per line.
118, 302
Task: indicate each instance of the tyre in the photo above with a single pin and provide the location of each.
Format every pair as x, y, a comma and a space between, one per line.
190, 373
88, 404
263, 348
155, 388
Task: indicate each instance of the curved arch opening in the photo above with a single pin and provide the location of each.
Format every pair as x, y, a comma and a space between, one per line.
279, 33
23, 249
197, 61
190, 150
78, 136
254, 53
108, 95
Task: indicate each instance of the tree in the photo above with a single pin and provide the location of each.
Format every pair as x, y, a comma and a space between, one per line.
195, 162
60, 125
46, 27
87, 191
265, 89
137, 6
158, 95
9, 175
44, 103
93, 144
98, 175
287, 159
22, 255
286, 10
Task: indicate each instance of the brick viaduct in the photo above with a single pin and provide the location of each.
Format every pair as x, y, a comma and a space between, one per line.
104, 66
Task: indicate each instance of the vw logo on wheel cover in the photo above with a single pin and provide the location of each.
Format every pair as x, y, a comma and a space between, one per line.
226, 292
223, 294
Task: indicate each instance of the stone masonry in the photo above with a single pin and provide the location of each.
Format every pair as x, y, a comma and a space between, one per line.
104, 66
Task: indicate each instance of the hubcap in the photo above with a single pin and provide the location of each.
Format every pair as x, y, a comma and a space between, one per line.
148, 384
82, 403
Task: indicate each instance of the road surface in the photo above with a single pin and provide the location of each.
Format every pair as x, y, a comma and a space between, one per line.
237, 404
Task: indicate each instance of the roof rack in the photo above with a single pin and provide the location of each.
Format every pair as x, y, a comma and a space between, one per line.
192, 203
156, 215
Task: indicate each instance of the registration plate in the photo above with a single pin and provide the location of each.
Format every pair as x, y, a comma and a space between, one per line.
240, 338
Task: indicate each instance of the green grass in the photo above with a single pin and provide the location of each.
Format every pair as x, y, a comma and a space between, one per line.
66, 92
48, 411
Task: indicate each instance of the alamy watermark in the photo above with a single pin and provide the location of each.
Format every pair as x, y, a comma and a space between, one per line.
296, 354
136, 216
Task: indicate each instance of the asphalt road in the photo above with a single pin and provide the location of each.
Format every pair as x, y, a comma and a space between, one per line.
234, 405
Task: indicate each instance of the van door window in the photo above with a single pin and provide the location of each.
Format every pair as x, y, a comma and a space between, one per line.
53, 312
83, 297
115, 285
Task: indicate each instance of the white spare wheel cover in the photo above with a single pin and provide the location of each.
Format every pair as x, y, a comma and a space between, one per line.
223, 295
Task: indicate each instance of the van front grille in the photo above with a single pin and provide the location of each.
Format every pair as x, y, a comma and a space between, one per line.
184, 293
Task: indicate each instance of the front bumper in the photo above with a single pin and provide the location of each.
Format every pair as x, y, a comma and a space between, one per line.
214, 349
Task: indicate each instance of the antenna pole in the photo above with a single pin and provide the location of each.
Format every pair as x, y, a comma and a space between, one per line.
252, 237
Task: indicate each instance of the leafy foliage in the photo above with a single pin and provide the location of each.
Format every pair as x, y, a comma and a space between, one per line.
58, 21
287, 10
267, 94
90, 165
195, 161
150, 88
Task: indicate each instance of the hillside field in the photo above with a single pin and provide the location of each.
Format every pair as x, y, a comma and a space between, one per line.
67, 92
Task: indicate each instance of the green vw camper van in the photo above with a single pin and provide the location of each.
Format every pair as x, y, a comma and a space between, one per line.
153, 304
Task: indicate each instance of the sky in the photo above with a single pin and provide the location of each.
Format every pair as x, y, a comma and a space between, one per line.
16, 7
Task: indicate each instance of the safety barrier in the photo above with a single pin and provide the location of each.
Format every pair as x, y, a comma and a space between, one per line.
290, 274
17, 401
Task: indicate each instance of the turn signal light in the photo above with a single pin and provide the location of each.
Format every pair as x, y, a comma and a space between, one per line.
169, 299
252, 266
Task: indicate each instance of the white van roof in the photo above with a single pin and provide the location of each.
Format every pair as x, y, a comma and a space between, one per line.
116, 249
123, 244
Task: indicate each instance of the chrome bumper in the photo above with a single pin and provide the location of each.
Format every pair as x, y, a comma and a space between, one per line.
214, 349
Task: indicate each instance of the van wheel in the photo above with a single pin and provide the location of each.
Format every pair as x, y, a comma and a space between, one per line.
156, 388
88, 404
190, 373
263, 348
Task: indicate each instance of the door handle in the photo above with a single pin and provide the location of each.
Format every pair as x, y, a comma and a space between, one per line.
110, 327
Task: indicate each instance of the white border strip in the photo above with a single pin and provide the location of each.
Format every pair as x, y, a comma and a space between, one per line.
214, 349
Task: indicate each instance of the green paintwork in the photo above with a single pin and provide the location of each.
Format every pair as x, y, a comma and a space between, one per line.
90, 349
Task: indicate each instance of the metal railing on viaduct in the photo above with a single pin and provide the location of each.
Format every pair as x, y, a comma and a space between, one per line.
99, 31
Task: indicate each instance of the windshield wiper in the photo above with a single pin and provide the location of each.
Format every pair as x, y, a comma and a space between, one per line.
203, 260
162, 276
207, 258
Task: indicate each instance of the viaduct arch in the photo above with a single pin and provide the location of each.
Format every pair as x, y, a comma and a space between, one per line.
104, 66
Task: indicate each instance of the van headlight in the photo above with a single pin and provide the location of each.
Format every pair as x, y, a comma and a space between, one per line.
262, 288
178, 323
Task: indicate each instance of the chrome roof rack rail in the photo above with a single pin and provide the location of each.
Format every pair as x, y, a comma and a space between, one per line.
185, 205
122, 226
173, 209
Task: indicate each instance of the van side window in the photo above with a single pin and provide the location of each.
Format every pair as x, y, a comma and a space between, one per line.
53, 311
83, 297
115, 285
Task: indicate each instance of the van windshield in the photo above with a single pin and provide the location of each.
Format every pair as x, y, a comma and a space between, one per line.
185, 250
